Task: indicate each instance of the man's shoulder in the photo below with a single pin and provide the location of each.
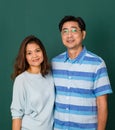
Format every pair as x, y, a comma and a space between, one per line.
92, 56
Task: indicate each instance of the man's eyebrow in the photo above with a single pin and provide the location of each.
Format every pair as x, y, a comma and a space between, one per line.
74, 27
71, 27
64, 28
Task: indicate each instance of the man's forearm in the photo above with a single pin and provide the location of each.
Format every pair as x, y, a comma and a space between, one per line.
102, 112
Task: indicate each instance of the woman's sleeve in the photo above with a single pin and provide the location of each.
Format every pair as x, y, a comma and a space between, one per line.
18, 99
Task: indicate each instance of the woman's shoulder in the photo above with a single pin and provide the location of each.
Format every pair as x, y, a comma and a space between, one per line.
49, 76
20, 76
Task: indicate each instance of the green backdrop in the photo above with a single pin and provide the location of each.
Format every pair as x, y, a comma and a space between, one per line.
19, 18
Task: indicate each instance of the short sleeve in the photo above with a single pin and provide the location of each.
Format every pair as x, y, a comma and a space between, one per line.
102, 83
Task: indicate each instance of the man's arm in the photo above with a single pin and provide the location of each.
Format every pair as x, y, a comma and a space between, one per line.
102, 108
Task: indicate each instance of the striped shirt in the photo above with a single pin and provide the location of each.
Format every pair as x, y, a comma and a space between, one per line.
78, 82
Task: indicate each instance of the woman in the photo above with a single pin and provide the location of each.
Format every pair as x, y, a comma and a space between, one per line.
33, 89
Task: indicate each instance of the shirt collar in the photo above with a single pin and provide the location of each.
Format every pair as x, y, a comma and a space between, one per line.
78, 59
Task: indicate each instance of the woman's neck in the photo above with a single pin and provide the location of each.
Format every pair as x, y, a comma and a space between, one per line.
34, 70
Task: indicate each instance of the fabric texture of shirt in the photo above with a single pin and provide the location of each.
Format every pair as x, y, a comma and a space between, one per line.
78, 82
33, 101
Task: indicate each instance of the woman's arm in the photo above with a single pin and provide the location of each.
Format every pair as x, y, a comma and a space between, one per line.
16, 124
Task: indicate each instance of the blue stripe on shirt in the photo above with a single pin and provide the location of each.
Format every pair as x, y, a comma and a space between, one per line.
67, 124
76, 92
76, 107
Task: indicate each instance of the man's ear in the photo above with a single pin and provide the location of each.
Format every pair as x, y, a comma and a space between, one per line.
84, 34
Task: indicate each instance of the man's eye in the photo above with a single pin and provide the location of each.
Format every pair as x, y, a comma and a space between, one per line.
65, 31
74, 30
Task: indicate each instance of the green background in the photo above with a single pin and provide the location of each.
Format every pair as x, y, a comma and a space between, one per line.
20, 18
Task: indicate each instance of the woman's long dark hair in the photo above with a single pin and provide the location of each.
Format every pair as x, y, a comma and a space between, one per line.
21, 64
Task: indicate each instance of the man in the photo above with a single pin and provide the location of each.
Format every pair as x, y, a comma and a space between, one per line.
81, 82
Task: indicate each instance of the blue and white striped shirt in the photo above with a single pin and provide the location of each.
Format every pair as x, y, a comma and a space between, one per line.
78, 82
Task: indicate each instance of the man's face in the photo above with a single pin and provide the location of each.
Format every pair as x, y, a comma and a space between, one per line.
72, 35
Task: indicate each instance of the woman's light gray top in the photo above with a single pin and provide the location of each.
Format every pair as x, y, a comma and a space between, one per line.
33, 101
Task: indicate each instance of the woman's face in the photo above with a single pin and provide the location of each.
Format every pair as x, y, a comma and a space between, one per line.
34, 55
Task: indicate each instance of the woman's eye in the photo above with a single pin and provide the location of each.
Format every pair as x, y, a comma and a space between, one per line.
28, 53
38, 50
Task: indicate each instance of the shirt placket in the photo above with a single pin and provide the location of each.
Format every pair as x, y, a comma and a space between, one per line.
68, 97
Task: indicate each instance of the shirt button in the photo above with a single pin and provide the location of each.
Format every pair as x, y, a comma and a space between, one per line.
68, 87
69, 77
67, 109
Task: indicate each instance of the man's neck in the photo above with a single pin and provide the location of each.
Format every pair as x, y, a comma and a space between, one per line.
73, 53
